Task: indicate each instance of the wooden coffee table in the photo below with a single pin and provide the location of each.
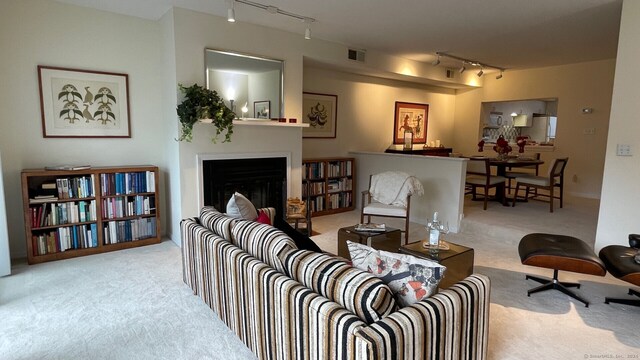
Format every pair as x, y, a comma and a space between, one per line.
389, 240
458, 260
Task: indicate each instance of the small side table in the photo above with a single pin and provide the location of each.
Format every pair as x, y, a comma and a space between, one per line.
458, 260
389, 240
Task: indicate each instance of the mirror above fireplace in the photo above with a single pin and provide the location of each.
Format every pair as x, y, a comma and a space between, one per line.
245, 79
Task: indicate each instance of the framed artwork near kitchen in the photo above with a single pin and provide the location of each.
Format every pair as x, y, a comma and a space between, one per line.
320, 112
413, 117
83, 103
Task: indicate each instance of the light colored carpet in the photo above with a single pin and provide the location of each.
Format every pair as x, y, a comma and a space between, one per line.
129, 304
547, 325
132, 304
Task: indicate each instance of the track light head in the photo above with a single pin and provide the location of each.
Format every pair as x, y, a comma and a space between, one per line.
307, 33
480, 72
231, 15
498, 77
436, 62
462, 68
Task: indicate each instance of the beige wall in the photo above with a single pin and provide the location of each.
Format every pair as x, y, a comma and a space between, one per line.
38, 32
575, 86
620, 194
366, 107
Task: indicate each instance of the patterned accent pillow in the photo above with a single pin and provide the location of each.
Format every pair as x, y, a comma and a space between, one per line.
216, 221
262, 241
411, 279
637, 257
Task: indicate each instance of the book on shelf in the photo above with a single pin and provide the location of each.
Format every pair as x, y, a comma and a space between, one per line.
48, 186
68, 167
38, 199
371, 227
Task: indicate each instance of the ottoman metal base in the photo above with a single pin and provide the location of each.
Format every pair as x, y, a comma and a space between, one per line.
633, 302
554, 284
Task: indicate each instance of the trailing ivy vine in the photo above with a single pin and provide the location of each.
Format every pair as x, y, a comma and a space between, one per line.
201, 103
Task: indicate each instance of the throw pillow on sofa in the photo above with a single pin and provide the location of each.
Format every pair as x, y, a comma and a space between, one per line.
357, 291
240, 207
411, 279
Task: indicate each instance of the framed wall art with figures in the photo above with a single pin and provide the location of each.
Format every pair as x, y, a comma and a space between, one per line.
320, 112
410, 117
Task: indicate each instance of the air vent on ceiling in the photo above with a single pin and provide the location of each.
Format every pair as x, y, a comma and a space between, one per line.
451, 73
357, 55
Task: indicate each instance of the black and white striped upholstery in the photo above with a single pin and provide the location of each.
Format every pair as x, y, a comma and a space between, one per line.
358, 291
280, 318
262, 241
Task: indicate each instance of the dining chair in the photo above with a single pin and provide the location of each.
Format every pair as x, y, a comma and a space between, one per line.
555, 179
479, 175
389, 195
529, 170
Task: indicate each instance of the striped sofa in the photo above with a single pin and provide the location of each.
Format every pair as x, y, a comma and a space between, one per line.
286, 303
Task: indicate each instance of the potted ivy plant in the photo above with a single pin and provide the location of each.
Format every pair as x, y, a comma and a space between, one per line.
200, 103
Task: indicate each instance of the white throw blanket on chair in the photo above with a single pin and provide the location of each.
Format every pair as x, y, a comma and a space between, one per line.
392, 187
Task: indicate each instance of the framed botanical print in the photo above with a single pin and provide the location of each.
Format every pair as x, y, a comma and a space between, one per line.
83, 103
320, 112
413, 117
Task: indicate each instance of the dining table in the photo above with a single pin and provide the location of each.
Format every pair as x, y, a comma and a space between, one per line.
501, 166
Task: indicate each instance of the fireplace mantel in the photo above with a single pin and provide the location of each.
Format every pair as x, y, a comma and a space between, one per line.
264, 122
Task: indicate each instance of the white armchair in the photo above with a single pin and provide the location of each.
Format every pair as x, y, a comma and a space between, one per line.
389, 195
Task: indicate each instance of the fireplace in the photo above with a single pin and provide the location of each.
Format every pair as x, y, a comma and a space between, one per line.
263, 180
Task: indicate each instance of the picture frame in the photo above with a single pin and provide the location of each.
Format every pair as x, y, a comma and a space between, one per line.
413, 116
262, 109
320, 111
78, 103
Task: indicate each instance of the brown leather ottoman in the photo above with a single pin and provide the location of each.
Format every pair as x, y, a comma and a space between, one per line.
559, 252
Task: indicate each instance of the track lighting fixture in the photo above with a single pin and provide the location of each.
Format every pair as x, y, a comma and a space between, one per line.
307, 31
465, 62
436, 62
273, 10
231, 12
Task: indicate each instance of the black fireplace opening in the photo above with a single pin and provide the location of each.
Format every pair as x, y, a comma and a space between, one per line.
261, 180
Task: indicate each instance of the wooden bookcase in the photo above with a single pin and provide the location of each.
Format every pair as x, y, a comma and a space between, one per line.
328, 185
71, 213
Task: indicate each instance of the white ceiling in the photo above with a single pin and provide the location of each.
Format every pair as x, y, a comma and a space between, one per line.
513, 34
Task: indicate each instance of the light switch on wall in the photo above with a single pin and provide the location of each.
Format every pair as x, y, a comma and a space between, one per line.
623, 150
